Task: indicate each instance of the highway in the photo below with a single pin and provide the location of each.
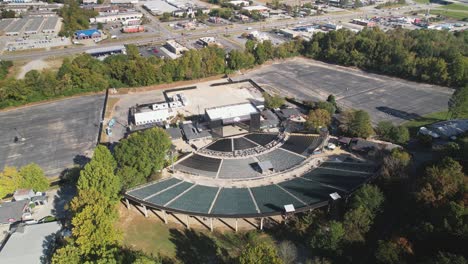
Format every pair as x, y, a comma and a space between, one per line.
152, 38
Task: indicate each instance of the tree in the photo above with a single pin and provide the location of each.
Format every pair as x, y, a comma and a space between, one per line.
99, 174
261, 253
318, 118
395, 165
392, 252
145, 152
287, 252
458, 103
33, 178
397, 134
441, 182
448, 258
10, 180
329, 237
68, 254
356, 123
330, 107
273, 101
357, 223
368, 196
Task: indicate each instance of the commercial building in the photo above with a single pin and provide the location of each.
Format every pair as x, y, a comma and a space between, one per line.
258, 8
133, 29
158, 7
208, 41
363, 22
99, 52
89, 2
30, 243
153, 117
230, 114
113, 17
87, 34
175, 47
124, 2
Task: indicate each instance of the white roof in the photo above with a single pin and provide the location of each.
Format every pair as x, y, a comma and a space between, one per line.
289, 208
106, 49
151, 116
255, 8
28, 246
231, 111
335, 196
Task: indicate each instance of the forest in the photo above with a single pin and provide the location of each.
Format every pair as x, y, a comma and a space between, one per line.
430, 56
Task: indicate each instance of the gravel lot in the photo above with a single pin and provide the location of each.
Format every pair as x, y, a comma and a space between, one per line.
385, 98
56, 133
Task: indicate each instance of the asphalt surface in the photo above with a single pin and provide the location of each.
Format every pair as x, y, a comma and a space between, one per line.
385, 98
57, 134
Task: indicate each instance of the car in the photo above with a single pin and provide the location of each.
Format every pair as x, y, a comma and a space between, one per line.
155, 50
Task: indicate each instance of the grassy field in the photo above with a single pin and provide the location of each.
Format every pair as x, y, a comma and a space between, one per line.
422, 1
179, 244
450, 14
456, 7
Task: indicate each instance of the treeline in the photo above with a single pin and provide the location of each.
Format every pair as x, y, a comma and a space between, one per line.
431, 56
4, 68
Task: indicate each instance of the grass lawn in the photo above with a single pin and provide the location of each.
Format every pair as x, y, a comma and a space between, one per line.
422, 1
450, 14
456, 7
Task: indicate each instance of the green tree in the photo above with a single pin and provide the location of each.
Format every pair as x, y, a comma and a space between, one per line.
448, 258
99, 174
368, 196
273, 101
397, 134
261, 253
356, 123
329, 237
10, 180
318, 118
33, 178
389, 252
330, 107
441, 182
357, 222
458, 103
68, 254
395, 166
144, 152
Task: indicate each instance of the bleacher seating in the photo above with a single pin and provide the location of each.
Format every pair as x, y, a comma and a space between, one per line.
234, 201
271, 199
237, 169
197, 200
344, 180
199, 165
261, 138
300, 144
148, 190
242, 143
350, 166
308, 191
281, 160
223, 145
169, 194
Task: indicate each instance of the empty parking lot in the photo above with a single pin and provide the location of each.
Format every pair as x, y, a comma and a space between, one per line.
385, 98
55, 133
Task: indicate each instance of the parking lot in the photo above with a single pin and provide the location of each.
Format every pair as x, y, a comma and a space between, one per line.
385, 98
56, 134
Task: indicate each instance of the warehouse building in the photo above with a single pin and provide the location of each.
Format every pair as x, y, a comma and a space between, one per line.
113, 17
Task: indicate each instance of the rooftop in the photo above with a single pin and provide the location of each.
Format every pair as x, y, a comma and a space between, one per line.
231, 111
12, 211
30, 245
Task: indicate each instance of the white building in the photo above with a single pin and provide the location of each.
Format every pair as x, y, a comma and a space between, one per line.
231, 113
89, 2
152, 117
239, 3
117, 2
175, 47
116, 17
258, 8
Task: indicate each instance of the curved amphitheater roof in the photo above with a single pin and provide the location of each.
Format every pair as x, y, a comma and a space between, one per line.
223, 179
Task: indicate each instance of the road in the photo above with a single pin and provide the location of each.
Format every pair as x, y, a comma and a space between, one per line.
232, 29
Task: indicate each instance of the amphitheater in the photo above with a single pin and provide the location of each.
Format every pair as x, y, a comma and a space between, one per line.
252, 176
